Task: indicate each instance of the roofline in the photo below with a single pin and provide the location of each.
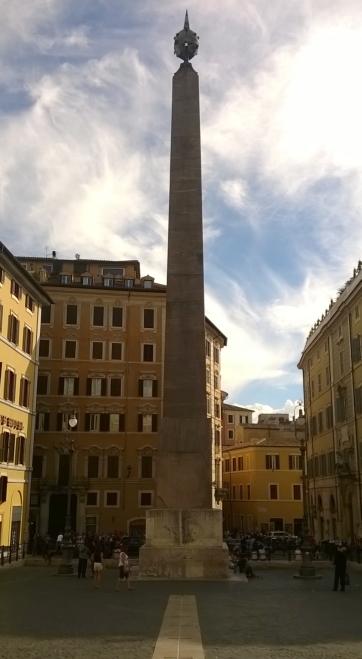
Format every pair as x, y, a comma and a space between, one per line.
219, 332
248, 445
43, 296
50, 259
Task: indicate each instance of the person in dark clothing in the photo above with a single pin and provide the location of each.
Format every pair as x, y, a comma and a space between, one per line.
340, 567
82, 561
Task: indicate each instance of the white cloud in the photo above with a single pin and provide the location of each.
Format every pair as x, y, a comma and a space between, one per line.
289, 407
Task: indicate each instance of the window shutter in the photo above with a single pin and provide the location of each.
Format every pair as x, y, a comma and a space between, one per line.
140, 422
6, 385
89, 387
121, 423
3, 488
87, 422
104, 423
61, 386
76, 386
17, 325
154, 422
46, 420
21, 394
104, 387
59, 421
290, 462
277, 461
154, 388
140, 388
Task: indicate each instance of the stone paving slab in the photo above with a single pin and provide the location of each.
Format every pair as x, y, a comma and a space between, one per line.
272, 617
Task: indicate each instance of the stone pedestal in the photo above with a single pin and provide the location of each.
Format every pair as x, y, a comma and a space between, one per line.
184, 544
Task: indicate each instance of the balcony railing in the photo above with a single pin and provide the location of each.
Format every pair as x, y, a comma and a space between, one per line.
53, 484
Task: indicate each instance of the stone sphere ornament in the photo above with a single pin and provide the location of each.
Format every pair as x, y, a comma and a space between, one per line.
186, 42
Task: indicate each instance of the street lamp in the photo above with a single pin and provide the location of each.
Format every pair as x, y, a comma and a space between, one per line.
68, 448
307, 569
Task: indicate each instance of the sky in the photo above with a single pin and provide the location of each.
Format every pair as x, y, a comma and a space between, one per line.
85, 103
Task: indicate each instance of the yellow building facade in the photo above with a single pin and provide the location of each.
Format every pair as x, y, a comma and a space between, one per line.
332, 376
101, 359
262, 480
21, 299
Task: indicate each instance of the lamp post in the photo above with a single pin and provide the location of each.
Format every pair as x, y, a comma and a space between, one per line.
68, 448
307, 569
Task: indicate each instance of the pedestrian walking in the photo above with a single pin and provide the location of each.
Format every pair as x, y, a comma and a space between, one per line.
58, 545
82, 561
98, 565
124, 569
340, 566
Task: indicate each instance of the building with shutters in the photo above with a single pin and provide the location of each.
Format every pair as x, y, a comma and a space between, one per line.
232, 417
21, 299
263, 479
101, 359
332, 378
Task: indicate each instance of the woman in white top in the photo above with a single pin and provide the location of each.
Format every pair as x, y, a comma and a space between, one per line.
124, 569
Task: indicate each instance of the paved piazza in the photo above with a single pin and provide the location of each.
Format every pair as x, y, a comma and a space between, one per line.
273, 617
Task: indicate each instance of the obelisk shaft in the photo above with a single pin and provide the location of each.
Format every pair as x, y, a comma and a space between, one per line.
185, 370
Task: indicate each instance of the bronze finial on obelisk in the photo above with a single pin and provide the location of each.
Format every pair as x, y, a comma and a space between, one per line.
184, 532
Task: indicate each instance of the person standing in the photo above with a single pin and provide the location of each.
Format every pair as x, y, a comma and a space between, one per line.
124, 569
340, 567
82, 561
98, 565
58, 545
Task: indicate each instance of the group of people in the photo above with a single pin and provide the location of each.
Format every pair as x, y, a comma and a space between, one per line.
95, 549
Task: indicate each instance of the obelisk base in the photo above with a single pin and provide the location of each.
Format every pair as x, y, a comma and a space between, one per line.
184, 544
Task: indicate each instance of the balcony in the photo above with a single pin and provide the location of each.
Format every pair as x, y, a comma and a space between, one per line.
52, 484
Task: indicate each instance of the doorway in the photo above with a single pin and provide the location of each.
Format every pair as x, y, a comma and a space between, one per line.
58, 512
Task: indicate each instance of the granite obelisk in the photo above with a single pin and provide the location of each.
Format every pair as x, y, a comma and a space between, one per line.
184, 532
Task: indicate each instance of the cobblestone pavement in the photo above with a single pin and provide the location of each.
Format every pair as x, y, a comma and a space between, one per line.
273, 617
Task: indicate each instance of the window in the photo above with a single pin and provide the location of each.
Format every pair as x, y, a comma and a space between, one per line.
341, 409
313, 426
1, 316
146, 499
2, 276
147, 423
273, 492
116, 422
46, 314
230, 434
63, 421
356, 349
356, 312
115, 387
230, 418
148, 388
112, 466
87, 281
320, 421
71, 314
243, 419
68, 386
70, 349
146, 466
148, 318
42, 421
297, 492
48, 267
319, 379
147, 283
227, 465
208, 404
96, 387
27, 340
15, 289
248, 488
42, 386
329, 416
65, 279
318, 356
240, 491
10, 385
20, 451
98, 316
217, 437
341, 361
94, 422
93, 466
217, 410
312, 388
240, 464
116, 351
272, 462
216, 355
208, 348
108, 281
247, 460
37, 466
24, 392
216, 381
234, 464
111, 498
90, 525
92, 498
44, 347
115, 272
13, 329
234, 492
295, 462
148, 352
117, 317
328, 376
97, 349
29, 303
128, 283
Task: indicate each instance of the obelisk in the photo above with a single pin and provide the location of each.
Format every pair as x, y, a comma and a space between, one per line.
184, 532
